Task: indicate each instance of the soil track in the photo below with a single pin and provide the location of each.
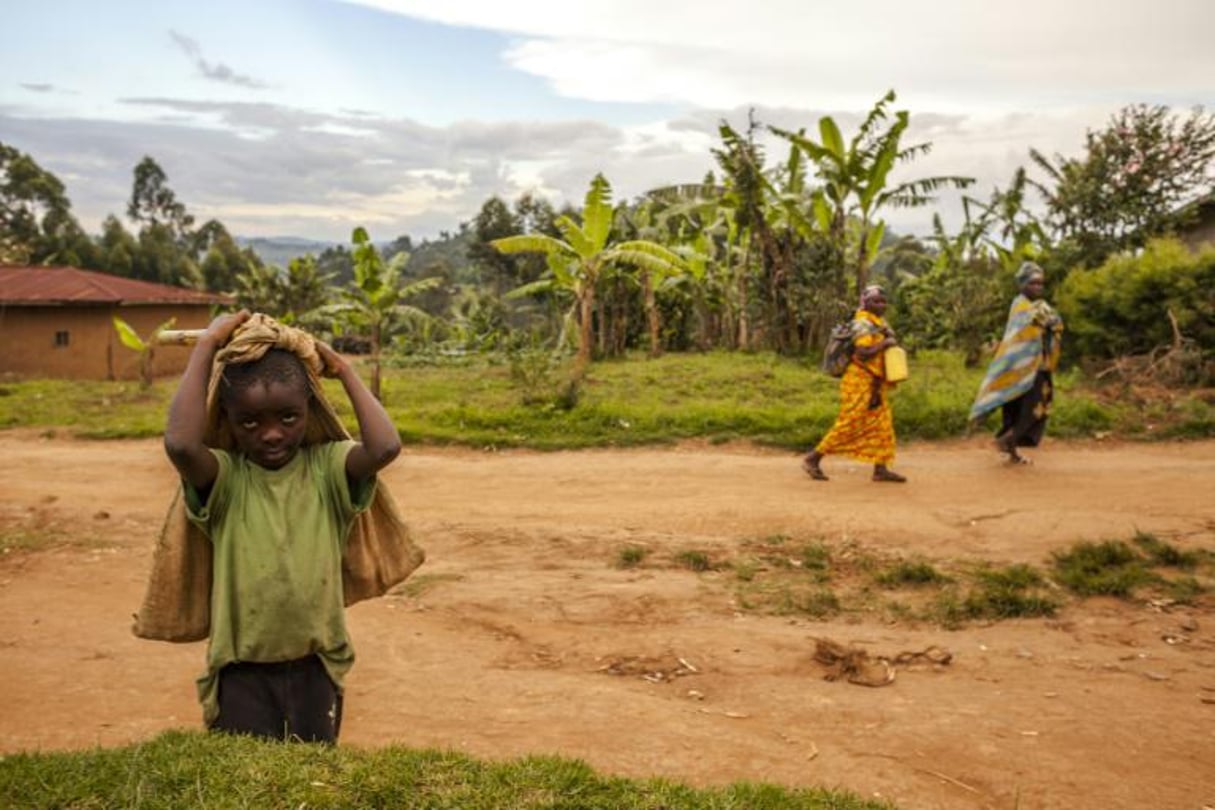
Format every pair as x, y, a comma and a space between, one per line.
528, 640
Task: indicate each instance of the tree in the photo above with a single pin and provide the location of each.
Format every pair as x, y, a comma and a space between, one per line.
167, 246
495, 220
856, 179
36, 221
577, 262
223, 261
1131, 183
118, 248
372, 304
154, 203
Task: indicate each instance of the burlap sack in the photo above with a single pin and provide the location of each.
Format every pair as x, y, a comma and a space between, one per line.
379, 551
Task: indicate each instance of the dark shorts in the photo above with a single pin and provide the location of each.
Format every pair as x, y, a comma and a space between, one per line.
288, 700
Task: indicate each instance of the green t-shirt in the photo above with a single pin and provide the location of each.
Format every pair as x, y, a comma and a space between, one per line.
277, 538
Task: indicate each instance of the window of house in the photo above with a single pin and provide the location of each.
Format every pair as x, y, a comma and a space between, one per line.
61, 338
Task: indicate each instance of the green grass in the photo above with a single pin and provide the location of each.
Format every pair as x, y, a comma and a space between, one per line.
197, 770
780, 575
718, 397
1144, 565
693, 560
631, 556
910, 574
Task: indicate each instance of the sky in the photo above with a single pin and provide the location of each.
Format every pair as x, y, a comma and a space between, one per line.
308, 118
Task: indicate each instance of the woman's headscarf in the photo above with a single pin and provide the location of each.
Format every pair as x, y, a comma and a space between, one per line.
1028, 271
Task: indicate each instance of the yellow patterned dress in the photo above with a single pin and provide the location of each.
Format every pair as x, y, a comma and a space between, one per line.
864, 428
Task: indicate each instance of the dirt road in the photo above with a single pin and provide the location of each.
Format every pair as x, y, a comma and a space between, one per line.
525, 637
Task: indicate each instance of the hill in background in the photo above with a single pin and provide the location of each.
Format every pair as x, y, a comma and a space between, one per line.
280, 250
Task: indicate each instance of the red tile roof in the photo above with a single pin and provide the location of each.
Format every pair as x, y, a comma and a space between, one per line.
69, 285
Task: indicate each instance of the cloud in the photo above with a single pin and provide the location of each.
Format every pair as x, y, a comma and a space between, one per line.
947, 56
216, 72
266, 169
45, 87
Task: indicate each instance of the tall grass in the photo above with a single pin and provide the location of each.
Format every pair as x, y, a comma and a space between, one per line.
482, 401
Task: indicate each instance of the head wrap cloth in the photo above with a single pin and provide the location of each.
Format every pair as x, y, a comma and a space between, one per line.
380, 552
1028, 271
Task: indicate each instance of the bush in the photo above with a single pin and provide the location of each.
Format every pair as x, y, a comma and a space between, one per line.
1121, 307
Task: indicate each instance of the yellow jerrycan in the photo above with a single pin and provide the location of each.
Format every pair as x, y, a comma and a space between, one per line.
896, 364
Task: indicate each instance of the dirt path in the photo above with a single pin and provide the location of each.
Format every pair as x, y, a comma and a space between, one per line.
529, 640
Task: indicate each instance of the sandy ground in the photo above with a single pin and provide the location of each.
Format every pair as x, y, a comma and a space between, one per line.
529, 640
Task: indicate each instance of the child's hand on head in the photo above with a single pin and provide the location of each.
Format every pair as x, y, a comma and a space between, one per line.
220, 330
334, 362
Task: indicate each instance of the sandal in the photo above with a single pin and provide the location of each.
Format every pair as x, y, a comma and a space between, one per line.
813, 470
889, 476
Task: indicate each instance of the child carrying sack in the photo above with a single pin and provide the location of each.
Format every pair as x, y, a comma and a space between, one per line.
380, 552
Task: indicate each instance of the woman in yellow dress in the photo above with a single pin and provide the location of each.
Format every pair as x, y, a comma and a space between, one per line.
864, 428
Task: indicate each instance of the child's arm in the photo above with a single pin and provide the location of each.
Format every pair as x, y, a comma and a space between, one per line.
188, 412
380, 441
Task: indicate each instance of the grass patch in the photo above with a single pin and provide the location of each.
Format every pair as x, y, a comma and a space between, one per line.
490, 401
910, 574
783, 576
1166, 554
1108, 568
1146, 564
631, 556
693, 560
198, 770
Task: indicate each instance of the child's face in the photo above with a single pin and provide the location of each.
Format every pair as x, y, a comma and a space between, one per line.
268, 421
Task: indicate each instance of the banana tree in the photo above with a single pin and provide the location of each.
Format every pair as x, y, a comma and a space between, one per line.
373, 303
577, 262
144, 346
856, 178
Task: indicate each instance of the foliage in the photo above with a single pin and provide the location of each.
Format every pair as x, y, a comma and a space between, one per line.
1123, 306
154, 203
198, 770
36, 221
719, 397
1130, 185
146, 347
577, 262
541, 378
373, 303
296, 296
856, 179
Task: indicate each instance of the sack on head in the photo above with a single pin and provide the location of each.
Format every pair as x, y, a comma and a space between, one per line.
839, 349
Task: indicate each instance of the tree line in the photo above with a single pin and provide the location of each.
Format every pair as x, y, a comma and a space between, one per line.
760, 254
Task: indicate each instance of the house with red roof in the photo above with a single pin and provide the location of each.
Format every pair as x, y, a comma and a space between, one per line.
58, 322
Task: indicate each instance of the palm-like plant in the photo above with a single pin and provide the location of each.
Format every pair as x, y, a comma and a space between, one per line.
373, 303
577, 262
856, 178
145, 347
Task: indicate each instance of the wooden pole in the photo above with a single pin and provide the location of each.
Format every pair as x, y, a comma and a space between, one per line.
179, 337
